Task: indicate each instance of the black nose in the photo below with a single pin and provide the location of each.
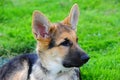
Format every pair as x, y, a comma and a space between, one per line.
85, 58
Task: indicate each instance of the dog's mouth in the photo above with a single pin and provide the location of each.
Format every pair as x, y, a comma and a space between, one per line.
74, 63
68, 65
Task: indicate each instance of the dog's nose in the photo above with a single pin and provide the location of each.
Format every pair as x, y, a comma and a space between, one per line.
85, 58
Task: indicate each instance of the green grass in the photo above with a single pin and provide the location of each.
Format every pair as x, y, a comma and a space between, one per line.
98, 31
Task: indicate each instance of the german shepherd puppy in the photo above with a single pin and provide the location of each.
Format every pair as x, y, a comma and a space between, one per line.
58, 53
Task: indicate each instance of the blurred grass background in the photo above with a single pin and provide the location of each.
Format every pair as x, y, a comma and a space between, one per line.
98, 31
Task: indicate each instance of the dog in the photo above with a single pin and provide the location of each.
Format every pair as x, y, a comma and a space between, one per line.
58, 55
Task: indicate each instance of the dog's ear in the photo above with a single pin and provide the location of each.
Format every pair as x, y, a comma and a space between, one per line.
40, 25
72, 19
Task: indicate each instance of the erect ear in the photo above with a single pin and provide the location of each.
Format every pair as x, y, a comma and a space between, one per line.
40, 25
72, 19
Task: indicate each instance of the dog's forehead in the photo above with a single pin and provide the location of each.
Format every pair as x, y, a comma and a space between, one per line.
69, 35
65, 31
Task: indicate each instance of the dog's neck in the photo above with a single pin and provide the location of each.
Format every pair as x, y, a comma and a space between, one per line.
49, 71
48, 64
52, 67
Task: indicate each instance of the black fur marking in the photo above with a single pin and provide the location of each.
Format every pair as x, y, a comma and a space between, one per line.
16, 65
52, 44
78, 73
74, 58
11, 66
32, 60
44, 69
67, 42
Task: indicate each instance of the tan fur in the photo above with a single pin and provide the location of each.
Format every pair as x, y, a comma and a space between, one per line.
42, 44
71, 36
67, 21
21, 74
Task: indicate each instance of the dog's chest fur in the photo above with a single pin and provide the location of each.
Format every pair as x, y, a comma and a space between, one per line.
39, 73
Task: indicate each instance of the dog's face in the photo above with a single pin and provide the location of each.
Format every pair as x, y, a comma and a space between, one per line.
58, 42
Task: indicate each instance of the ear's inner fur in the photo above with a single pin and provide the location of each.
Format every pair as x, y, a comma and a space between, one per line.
40, 25
41, 29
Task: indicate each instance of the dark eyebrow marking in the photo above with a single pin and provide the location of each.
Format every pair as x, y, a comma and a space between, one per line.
66, 42
51, 44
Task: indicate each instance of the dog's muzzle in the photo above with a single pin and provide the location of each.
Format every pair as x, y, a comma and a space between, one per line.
75, 59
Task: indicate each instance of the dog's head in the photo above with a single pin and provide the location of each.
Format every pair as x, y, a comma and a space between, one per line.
58, 42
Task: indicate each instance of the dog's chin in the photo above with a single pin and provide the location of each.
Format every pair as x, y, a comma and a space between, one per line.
65, 69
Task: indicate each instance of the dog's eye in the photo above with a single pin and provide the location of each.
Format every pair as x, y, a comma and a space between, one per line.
66, 42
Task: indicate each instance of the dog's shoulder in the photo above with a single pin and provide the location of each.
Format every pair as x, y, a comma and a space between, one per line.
18, 67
